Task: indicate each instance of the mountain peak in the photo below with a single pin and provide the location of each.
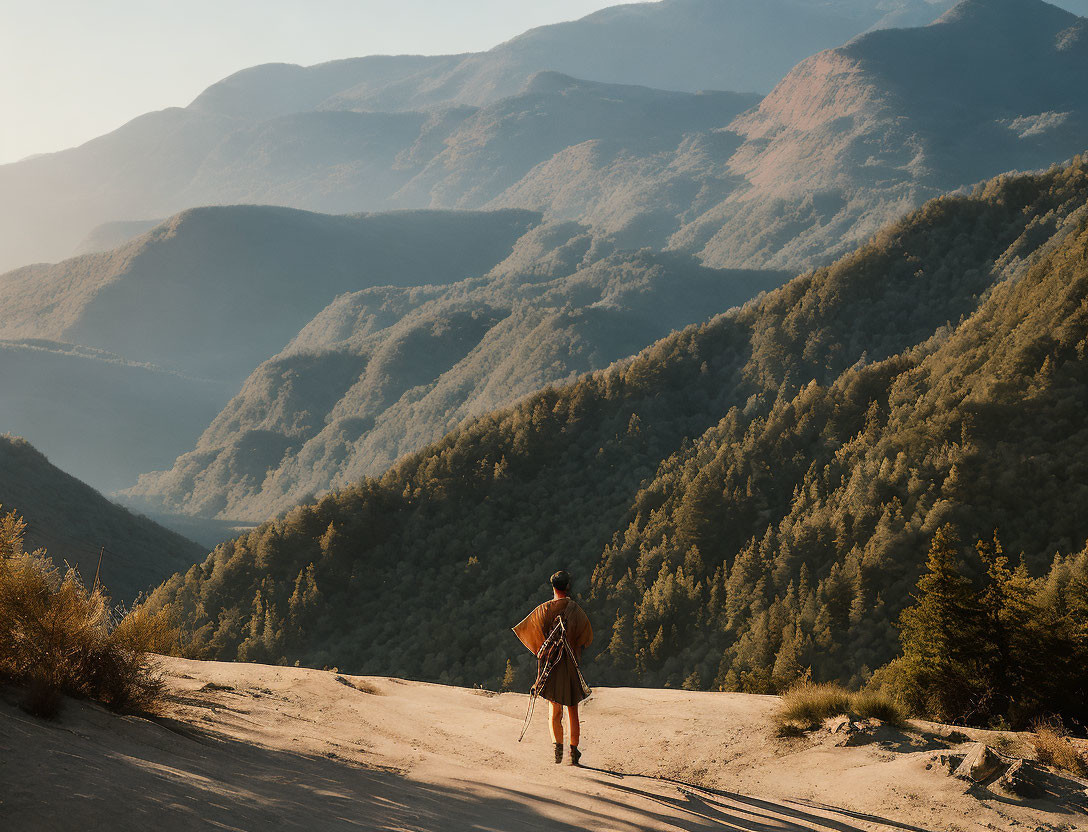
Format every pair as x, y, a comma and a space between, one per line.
1005, 12
550, 81
1020, 57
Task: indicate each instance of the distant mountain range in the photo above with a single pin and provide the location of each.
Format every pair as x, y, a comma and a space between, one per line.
328, 137
850, 139
328, 160
77, 525
683, 45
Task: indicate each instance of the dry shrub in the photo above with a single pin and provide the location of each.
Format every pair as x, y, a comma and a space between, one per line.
1054, 748
57, 637
807, 705
874, 704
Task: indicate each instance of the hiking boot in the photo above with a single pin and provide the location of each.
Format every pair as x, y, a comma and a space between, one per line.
558, 753
575, 756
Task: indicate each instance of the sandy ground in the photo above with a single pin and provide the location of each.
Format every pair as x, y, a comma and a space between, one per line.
251, 747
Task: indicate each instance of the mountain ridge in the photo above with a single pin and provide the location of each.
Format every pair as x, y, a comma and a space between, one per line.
213, 291
855, 136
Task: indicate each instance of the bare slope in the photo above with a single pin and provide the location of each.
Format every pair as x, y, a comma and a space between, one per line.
75, 523
252, 747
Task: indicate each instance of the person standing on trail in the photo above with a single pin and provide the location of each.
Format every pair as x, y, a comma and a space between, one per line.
556, 632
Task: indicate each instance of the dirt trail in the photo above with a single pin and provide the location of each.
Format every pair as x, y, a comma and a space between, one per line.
251, 747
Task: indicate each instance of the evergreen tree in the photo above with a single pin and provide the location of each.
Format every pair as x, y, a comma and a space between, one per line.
693, 681
942, 669
509, 678
1005, 607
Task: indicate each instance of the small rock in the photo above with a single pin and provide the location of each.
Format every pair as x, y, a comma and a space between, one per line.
838, 724
980, 763
1016, 780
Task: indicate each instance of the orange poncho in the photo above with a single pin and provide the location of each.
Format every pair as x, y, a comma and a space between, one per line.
564, 684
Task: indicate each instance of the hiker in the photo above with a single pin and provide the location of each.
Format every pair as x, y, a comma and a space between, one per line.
556, 632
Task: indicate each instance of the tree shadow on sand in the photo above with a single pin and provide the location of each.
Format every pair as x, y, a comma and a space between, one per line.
750, 814
95, 770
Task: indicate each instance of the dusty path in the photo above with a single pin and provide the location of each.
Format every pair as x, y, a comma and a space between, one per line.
250, 747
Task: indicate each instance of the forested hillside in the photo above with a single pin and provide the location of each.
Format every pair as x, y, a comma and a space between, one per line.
384, 372
78, 525
793, 540
742, 501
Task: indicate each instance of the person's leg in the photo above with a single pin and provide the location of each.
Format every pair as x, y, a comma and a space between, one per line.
557, 722
575, 725
575, 734
557, 729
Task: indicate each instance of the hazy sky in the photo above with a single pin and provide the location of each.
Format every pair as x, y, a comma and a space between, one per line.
74, 69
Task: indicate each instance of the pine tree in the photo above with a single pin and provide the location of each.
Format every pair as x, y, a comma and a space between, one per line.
619, 647
509, 678
693, 682
1003, 620
787, 665
942, 669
